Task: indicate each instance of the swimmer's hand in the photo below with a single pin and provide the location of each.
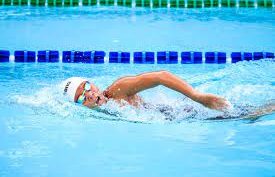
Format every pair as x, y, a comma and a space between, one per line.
214, 102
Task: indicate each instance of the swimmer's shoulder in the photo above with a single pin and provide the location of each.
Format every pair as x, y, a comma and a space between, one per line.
119, 88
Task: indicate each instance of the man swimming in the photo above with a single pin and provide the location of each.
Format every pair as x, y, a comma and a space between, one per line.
126, 89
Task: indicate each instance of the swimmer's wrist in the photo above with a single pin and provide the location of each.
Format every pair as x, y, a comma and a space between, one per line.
198, 97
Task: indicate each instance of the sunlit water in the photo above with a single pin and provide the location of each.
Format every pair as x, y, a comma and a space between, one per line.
44, 135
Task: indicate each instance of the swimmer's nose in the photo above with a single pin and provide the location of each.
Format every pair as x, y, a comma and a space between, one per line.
92, 95
96, 94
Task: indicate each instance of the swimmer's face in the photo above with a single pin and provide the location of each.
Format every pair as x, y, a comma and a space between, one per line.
93, 96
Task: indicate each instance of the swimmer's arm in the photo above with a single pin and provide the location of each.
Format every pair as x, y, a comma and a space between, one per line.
266, 109
135, 84
254, 113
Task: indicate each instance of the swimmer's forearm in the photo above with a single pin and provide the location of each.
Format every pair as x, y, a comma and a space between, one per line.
133, 85
208, 100
173, 82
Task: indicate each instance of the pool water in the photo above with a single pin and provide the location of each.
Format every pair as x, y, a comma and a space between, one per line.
44, 135
137, 29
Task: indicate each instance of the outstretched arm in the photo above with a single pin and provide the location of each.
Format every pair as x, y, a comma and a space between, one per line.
132, 85
248, 112
266, 109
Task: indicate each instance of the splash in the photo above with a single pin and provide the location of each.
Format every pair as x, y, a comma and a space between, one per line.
247, 85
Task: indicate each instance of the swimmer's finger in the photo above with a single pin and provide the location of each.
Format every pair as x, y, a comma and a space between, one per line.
227, 106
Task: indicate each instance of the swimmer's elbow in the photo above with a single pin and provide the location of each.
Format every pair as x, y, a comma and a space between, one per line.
146, 81
162, 76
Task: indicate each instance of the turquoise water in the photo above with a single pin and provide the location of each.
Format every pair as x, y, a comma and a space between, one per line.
43, 135
126, 29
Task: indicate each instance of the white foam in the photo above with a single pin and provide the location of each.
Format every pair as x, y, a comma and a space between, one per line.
266, 123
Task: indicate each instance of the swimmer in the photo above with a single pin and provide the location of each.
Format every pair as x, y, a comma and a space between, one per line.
126, 89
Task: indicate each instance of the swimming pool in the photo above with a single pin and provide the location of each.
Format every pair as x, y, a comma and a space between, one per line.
43, 135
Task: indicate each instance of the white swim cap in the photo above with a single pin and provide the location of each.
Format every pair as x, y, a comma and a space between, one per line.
70, 86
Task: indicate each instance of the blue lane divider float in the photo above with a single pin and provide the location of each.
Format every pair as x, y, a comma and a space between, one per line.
215, 57
170, 57
144, 58
83, 57
269, 55
24, 56
163, 57
145, 3
191, 57
4, 56
51, 56
239, 56
247, 56
119, 57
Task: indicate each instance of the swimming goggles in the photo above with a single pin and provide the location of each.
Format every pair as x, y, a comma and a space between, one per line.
82, 97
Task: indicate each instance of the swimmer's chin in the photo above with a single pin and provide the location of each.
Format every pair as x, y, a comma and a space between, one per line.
99, 103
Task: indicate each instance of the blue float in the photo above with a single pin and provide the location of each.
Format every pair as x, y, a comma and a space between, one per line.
236, 57
42, 56
210, 57
51, 56
161, 58
197, 56
83, 57
93, 57
221, 57
215, 57
144, 57
24, 56
78, 57
164, 57
119, 57
67, 57
247, 56
173, 57
4, 56
125, 57
258, 55
88, 57
269, 55
113, 57
191, 57
72, 57
99, 56
186, 58
150, 57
